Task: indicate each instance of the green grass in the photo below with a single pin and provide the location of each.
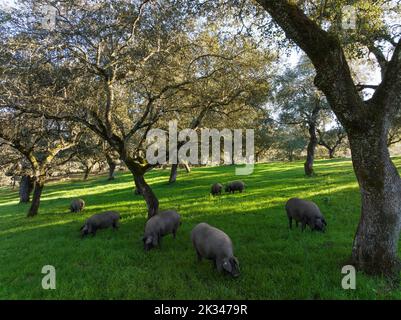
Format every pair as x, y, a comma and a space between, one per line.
276, 263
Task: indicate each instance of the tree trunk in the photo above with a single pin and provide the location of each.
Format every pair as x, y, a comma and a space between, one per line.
112, 167
310, 156
174, 167
173, 173
366, 122
150, 198
151, 201
138, 189
37, 192
87, 172
25, 189
375, 245
331, 153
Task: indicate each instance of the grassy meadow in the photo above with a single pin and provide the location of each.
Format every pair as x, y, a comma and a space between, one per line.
276, 263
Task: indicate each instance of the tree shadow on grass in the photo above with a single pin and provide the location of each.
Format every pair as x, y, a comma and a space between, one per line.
275, 185
275, 262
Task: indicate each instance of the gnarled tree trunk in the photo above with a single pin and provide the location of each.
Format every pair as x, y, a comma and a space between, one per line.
25, 188
138, 189
150, 198
375, 247
37, 193
152, 202
366, 122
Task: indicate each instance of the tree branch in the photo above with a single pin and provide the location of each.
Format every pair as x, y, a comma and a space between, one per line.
388, 92
333, 74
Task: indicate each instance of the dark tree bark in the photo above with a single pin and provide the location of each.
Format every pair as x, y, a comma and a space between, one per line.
14, 181
174, 167
257, 156
87, 171
138, 189
331, 152
112, 167
25, 189
37, 193
366, 123
138, 171
152, 202
375, 245
310, 156
173, 173
290, 156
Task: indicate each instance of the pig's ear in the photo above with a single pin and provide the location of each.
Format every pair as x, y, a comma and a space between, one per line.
227, 265
324, 221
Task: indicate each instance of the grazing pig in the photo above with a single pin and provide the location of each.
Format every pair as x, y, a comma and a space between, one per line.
216, 189
213, 244
306, 212
235, 186
159, 225
100, 221
77, 205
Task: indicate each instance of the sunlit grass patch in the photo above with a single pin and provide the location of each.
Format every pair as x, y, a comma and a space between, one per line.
276, 263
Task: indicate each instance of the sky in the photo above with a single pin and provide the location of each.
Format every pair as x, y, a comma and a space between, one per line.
4, 4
